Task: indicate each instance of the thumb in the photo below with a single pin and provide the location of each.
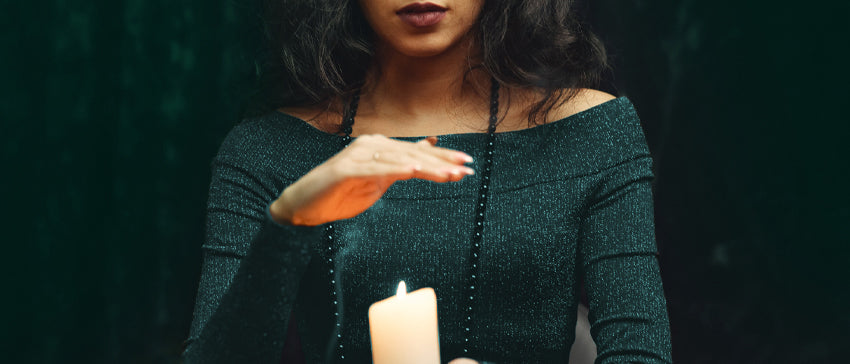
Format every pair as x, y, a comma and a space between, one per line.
429, 140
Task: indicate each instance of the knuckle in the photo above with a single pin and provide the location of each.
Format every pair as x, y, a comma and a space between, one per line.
359, 141
411, 154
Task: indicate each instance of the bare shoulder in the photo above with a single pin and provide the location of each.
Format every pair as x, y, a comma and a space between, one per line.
585, 99
589, 98
307, 114
320, 118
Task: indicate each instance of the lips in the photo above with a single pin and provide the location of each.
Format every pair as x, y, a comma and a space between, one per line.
421, 8
422, 15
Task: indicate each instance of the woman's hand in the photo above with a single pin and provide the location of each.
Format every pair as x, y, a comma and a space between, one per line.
355, 178
463, 361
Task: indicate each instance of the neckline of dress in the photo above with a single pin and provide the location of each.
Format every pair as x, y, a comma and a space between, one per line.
537, 128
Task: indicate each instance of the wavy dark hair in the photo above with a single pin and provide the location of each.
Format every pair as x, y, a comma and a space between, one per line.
318, 50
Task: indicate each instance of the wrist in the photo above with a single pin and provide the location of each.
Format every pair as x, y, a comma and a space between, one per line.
280, 213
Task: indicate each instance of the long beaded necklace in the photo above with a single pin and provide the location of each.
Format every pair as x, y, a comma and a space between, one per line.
477, 230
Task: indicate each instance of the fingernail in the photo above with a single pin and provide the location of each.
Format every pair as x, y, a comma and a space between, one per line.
466, 158
469, 171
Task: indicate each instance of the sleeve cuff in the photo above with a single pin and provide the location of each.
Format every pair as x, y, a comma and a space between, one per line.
299, 235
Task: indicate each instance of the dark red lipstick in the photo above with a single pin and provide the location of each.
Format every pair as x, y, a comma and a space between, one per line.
422, 15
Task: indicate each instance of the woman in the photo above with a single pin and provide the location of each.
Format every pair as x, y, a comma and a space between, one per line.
450, 144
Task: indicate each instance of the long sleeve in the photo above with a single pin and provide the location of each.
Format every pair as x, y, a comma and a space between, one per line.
251, 264
628, 312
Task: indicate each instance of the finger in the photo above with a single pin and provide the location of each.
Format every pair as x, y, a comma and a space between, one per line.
423, 162
397, 172
440, 175
431, 140
437, 157
367, 145
428, 166
427, 145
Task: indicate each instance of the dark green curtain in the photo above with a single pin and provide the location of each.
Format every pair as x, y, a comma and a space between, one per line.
743, 104
112, 110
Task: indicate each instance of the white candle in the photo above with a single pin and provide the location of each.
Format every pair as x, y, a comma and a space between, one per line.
403, 328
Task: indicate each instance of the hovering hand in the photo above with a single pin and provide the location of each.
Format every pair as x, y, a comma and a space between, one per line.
463, 361
355, 178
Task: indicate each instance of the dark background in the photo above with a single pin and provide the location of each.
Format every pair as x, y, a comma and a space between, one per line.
112, 110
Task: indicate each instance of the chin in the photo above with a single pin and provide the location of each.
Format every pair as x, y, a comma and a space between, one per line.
421, 52
422, 48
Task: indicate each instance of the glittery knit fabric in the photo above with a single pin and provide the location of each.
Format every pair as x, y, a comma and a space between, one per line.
570, 202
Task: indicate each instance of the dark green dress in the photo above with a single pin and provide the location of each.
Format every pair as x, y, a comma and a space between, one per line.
570, 202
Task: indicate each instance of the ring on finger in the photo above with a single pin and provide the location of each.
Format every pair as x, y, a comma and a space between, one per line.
376, 156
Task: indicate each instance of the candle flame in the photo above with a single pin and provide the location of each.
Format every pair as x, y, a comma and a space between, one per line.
402, 289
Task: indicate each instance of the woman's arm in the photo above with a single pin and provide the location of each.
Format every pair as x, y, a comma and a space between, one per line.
251, 265
617, 251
